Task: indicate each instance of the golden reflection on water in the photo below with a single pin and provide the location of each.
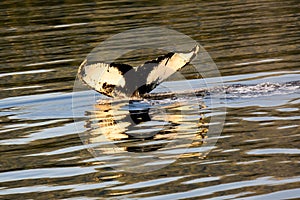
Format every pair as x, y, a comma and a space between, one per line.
139, 129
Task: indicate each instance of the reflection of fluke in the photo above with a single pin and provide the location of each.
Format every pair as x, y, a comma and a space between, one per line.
136, 126
122, 80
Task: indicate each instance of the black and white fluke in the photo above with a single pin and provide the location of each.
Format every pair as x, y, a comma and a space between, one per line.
122, 80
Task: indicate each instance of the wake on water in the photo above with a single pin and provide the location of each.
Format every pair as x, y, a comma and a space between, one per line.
236, 90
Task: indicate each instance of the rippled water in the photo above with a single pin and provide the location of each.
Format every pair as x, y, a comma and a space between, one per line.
49, 152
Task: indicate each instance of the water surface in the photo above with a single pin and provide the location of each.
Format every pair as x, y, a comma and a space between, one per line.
256, 48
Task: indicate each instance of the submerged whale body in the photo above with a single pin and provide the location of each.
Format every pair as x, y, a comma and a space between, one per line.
122, 80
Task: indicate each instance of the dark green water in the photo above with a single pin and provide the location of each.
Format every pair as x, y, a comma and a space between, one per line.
252, 42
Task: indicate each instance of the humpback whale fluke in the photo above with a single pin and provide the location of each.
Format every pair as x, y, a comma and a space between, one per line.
122, 80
